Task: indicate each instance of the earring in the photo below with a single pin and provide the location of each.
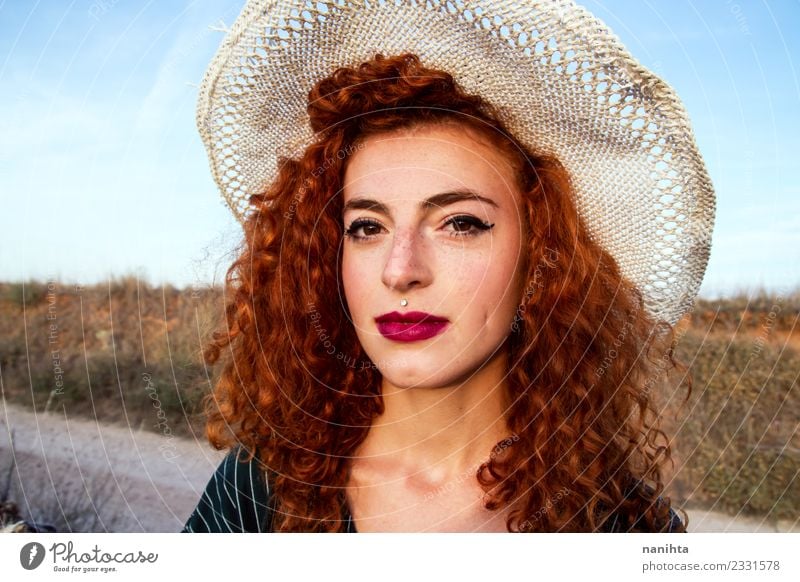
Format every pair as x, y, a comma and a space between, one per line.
403, 302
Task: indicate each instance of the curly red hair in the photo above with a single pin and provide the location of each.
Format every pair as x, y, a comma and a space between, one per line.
584, 353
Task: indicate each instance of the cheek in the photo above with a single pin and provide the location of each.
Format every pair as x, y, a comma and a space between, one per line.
485, 291
349, 275
356, 283
496, 288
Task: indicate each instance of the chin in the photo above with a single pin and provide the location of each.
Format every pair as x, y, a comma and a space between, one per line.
404, 373
411, 373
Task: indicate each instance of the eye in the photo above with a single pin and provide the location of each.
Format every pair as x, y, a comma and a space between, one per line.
365, 229
466, 225
371, 229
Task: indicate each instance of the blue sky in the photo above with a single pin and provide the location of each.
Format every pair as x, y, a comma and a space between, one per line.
102, 172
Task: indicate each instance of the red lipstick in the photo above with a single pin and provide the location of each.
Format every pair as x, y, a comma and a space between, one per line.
410, 327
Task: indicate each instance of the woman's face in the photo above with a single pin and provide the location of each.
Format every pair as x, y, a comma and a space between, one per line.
432, 216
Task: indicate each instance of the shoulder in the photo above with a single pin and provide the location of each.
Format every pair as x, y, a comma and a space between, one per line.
236, 498
619, 523
675, 523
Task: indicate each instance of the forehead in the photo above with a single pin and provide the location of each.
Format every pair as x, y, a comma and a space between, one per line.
421, 161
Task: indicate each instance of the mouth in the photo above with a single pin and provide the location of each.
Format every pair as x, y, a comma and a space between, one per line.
411, 326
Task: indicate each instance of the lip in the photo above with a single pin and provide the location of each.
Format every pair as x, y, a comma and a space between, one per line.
410, 327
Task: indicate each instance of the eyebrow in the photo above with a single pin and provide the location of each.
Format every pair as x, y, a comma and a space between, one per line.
435, 201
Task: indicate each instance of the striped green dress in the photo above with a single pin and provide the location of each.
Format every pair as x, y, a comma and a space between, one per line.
237, 500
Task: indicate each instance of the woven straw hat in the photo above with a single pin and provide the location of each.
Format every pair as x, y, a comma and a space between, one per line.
563, 84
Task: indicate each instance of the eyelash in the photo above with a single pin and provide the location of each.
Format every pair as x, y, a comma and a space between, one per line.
480, 227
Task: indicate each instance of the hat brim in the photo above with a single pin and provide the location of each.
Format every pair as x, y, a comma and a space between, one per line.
561, 80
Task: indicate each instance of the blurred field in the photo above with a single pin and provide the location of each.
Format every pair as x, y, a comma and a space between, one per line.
129, 354
122, 352
738, 438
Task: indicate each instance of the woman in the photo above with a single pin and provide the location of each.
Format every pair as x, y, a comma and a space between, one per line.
427, 331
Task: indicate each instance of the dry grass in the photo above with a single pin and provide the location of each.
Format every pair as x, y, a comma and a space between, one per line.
122, 352
738, 437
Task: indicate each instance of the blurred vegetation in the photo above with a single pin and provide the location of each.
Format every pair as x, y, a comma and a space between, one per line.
122, 352
737, 439
130, 354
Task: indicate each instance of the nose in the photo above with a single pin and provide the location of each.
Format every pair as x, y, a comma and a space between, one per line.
407, 265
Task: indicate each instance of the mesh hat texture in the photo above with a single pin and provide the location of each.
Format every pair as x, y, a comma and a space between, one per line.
561, 80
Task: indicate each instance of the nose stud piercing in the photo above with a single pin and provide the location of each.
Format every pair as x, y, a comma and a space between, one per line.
403, 302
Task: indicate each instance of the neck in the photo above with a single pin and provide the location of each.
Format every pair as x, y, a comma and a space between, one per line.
434, 434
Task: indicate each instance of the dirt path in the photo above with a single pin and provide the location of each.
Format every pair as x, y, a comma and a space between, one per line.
143, 482
125, 480
702, 520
